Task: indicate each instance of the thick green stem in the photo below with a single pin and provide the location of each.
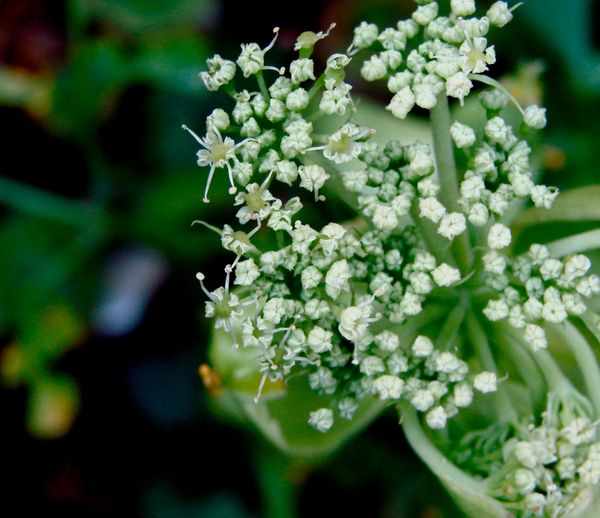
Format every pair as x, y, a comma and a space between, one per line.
585, 358
278, 492
592, 322
575, 244
436, 461
446, 169
481, 344
451, 327
521, 358
437, 245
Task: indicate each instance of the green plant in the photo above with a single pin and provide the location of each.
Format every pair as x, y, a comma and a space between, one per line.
417, 297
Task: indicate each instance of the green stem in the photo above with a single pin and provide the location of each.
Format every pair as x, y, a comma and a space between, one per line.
592, 322
451, 326
446, 169
260, 78
36, 202
481, 344
521, 358
434, 242
585, 358
575, 244
278, 491
436, 461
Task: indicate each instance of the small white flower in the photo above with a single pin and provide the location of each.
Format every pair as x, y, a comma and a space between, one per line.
422, 400
319, 340
463, 135
312, 178
436, 419
311, 277
535, 336
588, 286
421, 282
472, 187
551, 269
463, 395
499, 236
302, 70
428, 187
459, 86
422, 347
496, 310
543, 196
218, 119
385, 217
246, 272
297, 100
494, 262
373, 69
399, 81
337, 277
402, 102
388, 387
499, 14
526, 454
343, 146
554, 311
462, 7
365, 35
452, 225
220, 72
525, 481
425, 14
476, 56
486, 382
354, 322
445, 275
335, 99
217, 153
387, 341
252, 57
321, 419
535, 117
479, 215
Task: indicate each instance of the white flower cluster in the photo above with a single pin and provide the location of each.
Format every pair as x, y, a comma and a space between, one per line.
375, 306
273, 124
430, 54
536, 288
550, 467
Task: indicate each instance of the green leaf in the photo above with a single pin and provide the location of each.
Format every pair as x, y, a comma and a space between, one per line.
281, 414
87, 91
567, 27
171, 62
139, 16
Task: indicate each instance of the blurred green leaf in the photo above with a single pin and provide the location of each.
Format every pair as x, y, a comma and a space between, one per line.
139, 16
567, 27
171, 62
87, 90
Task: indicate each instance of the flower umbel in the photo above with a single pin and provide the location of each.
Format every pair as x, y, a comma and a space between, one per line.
418, 301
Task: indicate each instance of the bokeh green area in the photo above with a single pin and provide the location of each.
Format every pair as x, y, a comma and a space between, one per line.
101, 320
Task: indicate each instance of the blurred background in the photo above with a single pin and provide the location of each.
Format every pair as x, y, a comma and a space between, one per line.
101, 318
